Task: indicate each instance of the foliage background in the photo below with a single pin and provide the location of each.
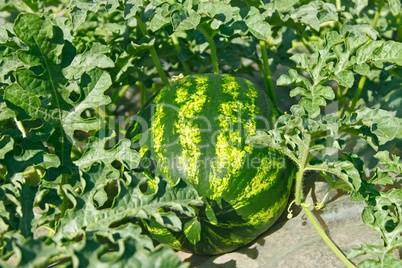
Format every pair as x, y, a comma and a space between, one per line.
73, 73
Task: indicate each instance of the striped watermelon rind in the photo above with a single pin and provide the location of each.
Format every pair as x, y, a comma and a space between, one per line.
195, 129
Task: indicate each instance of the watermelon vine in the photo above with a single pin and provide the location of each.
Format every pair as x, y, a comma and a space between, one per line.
133, 129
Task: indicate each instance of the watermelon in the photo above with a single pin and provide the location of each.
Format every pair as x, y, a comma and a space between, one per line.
194, 130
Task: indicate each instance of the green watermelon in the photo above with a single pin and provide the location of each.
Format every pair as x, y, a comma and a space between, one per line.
195, 130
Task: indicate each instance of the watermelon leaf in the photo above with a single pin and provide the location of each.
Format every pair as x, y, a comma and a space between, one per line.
96, 152
79, 9
6, 145
382, 213
124, 245
302, 138
335, 61
42, 91
391, 165
64, 170
131, 202
315, 141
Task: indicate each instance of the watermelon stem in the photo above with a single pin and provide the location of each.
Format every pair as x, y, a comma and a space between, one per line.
118, 94
144, 93
339, 10
20, 127
304, 157
210, 39
341, 97
267, 78
305, 38
335, 184
154, 56
299, 188
357, 94
177, 47
324, 236
63, 206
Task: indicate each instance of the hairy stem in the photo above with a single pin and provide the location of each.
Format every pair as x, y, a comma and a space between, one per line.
154, 56
177, 47
299, 198
299, 187
324, 236
210, 39
267, 74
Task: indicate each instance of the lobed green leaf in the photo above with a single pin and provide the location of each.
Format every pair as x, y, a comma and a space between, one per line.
96, 153
138, 198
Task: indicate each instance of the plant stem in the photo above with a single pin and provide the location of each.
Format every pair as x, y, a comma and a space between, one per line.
377, 14
2, 173
339, 10
63, 206
324, 236
154, 56
399, 22
299, 175
267, 74
103, 116
118, 94
262, 73
334, 183
338, 5
21, 128
357, 94
177, 47
304, 39
299, 187
110, 122
144, 96
210, 39
341, 100
123, 91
